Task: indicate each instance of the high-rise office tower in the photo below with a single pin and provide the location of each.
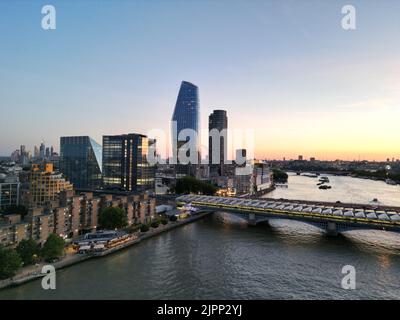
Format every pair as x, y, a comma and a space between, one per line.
81, 161
15, 156
36, 153
24, 156
125, 163
218, 141
42, 150
186, 116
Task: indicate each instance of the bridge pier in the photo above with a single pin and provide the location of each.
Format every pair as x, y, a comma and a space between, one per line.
252, 219
331, 229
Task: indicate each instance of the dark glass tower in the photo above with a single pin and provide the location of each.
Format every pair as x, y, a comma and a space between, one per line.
80, 161
217, 123
125, 163
186, 116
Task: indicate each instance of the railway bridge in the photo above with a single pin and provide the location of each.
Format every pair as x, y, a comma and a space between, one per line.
333, 218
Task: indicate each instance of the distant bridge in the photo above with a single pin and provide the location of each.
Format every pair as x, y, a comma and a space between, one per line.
333, 218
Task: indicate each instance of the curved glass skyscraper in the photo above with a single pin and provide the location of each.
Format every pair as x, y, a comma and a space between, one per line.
186, 116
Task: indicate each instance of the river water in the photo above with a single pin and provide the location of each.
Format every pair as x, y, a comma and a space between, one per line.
344, 189
221, 257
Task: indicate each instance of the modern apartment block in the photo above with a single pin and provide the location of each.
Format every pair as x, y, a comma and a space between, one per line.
70, 215
81, 161
12, 229
126, 166
45, 184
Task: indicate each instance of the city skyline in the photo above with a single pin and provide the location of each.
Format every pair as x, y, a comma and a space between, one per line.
306, 86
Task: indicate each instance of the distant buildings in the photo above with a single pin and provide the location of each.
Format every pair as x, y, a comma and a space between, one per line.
36, 153
244, 176
300, 158
21, 156
218, 141
125, 163
25, 156
185, 128
81, 161
15, 156
42, 151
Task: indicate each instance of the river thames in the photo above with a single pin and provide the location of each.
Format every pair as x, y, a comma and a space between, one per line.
344, 189
220, 257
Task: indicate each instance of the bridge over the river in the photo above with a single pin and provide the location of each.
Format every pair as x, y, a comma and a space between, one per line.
332, 218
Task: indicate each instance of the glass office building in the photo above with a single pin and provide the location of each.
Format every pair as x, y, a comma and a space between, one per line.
186, 116
80, 161
125, 163
9, 194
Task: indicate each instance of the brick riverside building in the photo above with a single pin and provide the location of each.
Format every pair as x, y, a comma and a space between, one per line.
70, 215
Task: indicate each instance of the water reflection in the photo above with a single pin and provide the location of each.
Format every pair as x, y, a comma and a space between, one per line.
384, 261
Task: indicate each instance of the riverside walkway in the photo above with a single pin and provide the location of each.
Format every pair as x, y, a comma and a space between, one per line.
33, 272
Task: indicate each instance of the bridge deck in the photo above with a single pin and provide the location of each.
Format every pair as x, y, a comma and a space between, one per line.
380, 217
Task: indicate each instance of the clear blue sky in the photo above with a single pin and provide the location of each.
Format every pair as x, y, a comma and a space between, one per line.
285, 68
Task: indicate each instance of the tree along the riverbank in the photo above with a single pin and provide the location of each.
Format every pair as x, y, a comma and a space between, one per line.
378, 174
53, 248
29, 251
279, 176
113, 218
192, 185
144, 228
10, 262
155, 224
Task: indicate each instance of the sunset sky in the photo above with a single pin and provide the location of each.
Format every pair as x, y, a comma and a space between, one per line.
285, 69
